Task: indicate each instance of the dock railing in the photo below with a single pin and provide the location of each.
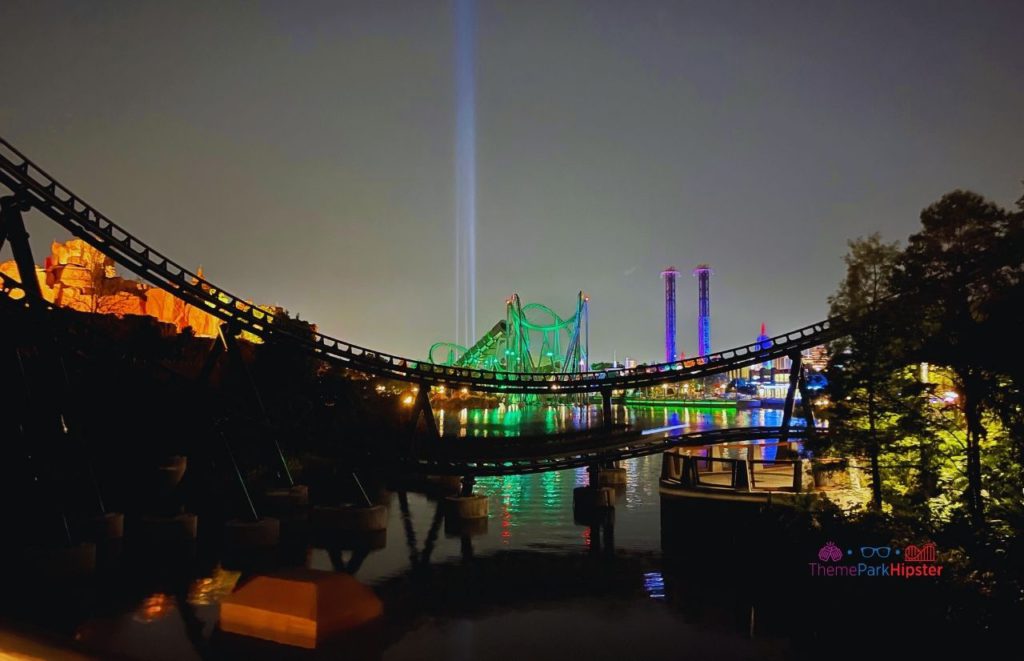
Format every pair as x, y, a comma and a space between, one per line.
691, 471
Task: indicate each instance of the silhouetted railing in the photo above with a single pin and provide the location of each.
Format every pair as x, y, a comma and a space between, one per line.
732, 474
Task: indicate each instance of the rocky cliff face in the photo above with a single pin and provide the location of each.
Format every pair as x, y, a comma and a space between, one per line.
79, 277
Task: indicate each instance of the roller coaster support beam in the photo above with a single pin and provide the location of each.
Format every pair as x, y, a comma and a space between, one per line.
227, 341
422, 405
243, 487
795, 377
12, 228
805, 399
606, 408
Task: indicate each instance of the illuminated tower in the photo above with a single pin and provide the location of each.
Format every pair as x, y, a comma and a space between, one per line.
670, 275
703, 275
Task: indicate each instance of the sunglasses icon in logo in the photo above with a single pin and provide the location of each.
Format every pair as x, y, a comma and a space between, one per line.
875, 551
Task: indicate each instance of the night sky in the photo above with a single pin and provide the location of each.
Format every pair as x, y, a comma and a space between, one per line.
302, 153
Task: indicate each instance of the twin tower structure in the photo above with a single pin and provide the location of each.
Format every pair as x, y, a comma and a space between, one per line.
703, 275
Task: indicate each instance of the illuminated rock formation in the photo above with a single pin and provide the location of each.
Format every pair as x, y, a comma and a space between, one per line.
79, 277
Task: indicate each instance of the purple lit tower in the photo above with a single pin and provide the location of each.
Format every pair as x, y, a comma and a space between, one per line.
670, 275
764, 342
703, 275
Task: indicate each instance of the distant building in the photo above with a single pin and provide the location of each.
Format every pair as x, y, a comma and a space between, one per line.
816, 358
772, 377
703, 275
670, 274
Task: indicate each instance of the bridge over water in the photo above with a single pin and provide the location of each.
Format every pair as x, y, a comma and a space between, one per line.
33, 189
693, 462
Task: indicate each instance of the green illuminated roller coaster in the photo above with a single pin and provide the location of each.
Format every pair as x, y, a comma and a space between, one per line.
530, 339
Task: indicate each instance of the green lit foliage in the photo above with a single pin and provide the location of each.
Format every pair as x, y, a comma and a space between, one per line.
863, 369
961, 278
944, 447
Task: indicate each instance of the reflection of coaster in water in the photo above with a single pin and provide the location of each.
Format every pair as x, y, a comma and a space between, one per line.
830, 552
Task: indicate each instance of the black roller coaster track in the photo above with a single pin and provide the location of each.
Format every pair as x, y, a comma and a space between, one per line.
33, 188
557, 457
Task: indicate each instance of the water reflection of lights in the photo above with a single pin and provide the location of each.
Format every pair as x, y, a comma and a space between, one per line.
506, 521
647, 432
154, 607
654, 584
552, 493
633, 496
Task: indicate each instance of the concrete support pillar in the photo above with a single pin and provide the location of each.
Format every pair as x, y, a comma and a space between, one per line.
591, 498
611, 477
443, 484
287, 502
466, 507
461, 527
169, 472
155, 529
106, 527
242, 534
349, 518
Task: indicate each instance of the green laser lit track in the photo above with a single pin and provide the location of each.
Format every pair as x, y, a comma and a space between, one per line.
531, 339
32, 188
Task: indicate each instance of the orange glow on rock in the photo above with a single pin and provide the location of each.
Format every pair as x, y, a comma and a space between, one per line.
79, 277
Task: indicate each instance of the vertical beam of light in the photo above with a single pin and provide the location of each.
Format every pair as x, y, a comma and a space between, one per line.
465, 173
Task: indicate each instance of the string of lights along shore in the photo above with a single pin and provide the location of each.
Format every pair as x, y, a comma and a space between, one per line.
703, 274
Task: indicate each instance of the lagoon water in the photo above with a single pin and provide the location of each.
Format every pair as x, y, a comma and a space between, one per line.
532, 582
